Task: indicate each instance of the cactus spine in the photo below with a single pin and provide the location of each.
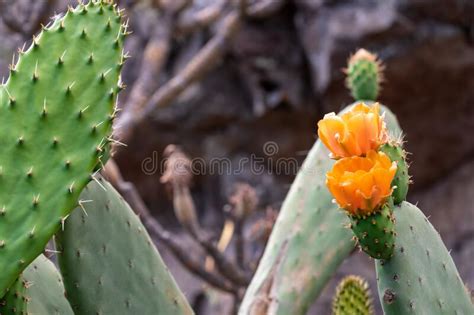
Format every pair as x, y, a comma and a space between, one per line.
352, 297
56, 112
109, 263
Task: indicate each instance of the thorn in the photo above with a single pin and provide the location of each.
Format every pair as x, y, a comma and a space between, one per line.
116, 142
61, 58
35, 41
21, 50
67, 164
44, 112
108, 26
81, 204
117, 43
61, 26
30, 172
32, 232
35, 74
11, 102
69, 88
47, 250
2, 244
62, 222
36, 201
90, 60
55, 142
71, 188
20, 141
95, 179
83, 33
3, 211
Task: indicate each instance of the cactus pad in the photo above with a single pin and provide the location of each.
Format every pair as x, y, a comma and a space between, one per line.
109, 263
421, 277
56, 113
39, 290
376, 233
401, 180
364, 74
352, 297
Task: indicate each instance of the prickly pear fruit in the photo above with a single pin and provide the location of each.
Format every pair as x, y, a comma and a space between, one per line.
56, 112
375, 233
364, 74
352, 297
401, 180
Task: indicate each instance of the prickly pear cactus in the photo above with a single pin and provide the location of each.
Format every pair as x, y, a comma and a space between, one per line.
376, 233
401, 180
421, 277
307, 244
39, 290
56, 113
109, 263
352, 297
364, 74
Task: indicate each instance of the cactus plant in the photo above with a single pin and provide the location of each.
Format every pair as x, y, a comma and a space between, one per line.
421, 277
109, 263
56, 112
39, 290
352, 297
307, 244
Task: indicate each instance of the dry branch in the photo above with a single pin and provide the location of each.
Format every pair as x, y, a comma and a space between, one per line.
182, 253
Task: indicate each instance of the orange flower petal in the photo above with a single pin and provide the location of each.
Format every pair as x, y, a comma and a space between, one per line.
361, 185
355, 132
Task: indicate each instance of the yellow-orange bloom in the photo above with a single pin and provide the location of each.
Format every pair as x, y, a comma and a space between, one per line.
354, 133
361, 184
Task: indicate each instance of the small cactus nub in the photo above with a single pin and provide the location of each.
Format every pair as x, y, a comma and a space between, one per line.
364, 75
352, 297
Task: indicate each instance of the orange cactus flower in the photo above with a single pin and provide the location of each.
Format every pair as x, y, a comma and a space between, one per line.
355, 132
361, 185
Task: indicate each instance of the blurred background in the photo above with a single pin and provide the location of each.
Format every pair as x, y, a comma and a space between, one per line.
226, 79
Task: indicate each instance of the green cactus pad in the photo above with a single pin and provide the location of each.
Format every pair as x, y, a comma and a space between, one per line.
14, 301
421, 277
364, 76
376, 233
352, 297
401, 180
109, 263
307, 244
56, 113
39, 290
